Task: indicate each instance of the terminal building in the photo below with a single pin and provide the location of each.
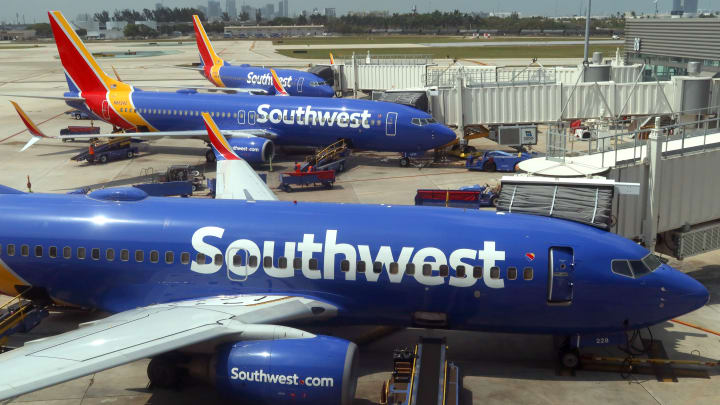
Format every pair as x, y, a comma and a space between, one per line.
666, 45
271, 31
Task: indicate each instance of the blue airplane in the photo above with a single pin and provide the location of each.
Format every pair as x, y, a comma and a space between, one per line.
222, 288
223, 74
254, 124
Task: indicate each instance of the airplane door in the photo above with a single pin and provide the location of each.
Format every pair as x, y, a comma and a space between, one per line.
239, 264
300, 84
105, 110
560, 274
391, 124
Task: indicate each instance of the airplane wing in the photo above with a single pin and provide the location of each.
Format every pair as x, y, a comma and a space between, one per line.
231, 133
36, 133
144, 332
44, 97
236, 180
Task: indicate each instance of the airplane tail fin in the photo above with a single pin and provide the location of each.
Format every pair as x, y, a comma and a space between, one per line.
279, 89
82, 69
220, 145
332, 59
207, 53
36, 133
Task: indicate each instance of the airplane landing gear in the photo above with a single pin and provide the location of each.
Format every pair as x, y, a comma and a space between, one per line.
163, 372
210, 156
569, 358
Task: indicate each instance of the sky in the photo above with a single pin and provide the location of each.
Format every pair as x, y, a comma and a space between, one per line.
35, 10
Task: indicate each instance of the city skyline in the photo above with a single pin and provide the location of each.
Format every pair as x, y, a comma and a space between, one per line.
35, 10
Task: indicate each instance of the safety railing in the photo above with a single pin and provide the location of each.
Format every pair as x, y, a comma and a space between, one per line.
614, 146
492, 76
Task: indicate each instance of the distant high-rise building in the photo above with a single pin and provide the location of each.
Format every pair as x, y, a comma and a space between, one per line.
330, 12
213, 10
690, 6
281, 12
286, 10
231, 9
268, 12
203, 10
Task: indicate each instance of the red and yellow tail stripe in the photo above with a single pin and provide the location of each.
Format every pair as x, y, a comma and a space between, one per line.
218, 141
210, 59
32, 128
332, 59
279, 89
87, 75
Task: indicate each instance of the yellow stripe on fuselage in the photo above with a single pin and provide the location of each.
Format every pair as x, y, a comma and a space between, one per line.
8, 280
121, 102
215, 73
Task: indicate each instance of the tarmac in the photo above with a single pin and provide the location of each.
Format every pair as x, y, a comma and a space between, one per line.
496, 368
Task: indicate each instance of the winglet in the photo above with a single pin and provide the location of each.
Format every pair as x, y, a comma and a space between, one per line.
332, 59
36, 133
279, 89
220, 145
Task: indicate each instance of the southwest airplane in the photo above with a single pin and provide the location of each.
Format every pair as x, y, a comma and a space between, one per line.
221, 288
223, 74
253, 123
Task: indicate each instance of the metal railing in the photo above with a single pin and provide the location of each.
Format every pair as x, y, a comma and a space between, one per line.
400, 59
492, 76
613, 145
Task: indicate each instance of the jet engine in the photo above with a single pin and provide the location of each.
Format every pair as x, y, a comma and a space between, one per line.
253, 149
319, 370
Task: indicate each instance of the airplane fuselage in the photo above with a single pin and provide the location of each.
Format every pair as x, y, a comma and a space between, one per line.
290, 120
378, 264
296, 82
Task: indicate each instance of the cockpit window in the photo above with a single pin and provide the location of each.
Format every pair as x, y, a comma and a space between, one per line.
636, 268
621, 267
423, 121
316, 84
652, 261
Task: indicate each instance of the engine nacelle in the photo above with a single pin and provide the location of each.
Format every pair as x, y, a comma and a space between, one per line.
253, 149
320, 370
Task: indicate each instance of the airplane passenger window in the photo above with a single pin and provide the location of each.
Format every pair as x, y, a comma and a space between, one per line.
313, 264
81, 253
124, 255
345, 265
297, 263
477, 272
426, 269
361, 266
95, 253
512, 273
237, 260
282, 262
185, 258
267, 261
0, 249
494, 272
528, 273
241, 117
11, 250
154, 256
218, 259
621, 267
109, 254
140, 256
38, 251
410, 269
377, 267
394, 268
169, 257
25, 250
444, 270
52, 251
460, 271
67, 252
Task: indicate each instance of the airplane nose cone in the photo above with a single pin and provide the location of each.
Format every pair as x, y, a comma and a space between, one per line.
685, 293
695, 294
444, 135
